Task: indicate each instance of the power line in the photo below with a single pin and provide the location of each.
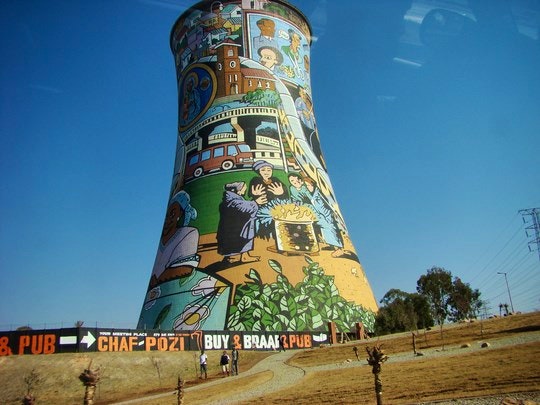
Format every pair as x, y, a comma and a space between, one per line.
511, 256
490, 246
527, 274
487, 266
512, 260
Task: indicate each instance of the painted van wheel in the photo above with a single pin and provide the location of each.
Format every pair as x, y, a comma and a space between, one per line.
227, 165
198, 172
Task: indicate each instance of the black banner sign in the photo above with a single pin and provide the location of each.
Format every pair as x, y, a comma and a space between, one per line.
73, 340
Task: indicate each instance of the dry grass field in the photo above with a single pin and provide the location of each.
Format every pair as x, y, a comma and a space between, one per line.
440, 374
509, 370
124, 375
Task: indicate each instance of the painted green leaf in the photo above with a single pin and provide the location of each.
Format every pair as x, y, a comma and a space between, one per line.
257, 303
273, 308
267, 320
248, 324
300, 325
326, 310
314, 280
308, 259
290, 300
234, 320
283, 280
284, 321
253, 288
341, 305
312, 304
257, 313
244, 303
292, 324
301, 299
291, 304
267, 291
334, 289
303, 317
283, 305
317, 321
332, 301
301, 309
275, 266
254, 275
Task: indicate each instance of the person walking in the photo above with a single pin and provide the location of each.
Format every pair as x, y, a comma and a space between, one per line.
203, 358
234, 355
282, 343
224, 362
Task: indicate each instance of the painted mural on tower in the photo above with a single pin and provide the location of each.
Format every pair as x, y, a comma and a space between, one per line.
253, 238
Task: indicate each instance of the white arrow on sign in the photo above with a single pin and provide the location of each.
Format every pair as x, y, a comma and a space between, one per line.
89, 339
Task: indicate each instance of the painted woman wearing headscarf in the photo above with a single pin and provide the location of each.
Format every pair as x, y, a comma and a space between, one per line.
266, 184
236, 229
273, 190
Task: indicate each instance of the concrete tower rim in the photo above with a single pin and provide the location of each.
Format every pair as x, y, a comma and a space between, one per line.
203, 2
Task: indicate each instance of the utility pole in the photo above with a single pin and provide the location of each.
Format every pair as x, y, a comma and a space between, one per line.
534, 226
508, 288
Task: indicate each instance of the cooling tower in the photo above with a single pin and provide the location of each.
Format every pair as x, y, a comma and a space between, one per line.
253, 237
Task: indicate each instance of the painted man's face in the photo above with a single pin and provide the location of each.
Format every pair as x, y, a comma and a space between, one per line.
174, 212
268, 58
267, 27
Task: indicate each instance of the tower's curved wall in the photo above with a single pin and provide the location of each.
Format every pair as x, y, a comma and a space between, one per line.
253, 237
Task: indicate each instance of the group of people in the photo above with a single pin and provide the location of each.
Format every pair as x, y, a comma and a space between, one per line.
271, 54
228, 364
242, 219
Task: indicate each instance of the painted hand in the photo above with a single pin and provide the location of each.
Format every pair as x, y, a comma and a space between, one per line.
276, 188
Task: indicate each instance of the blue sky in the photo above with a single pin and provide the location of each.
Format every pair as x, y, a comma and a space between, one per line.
431, 139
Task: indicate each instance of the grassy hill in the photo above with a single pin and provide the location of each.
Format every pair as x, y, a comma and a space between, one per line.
455, 372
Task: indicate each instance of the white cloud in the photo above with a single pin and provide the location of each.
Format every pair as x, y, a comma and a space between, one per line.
170, 4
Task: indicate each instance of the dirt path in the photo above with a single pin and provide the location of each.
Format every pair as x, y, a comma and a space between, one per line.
285, 376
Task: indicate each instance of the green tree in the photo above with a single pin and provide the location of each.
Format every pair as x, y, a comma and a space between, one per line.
393, 295
464, 301
422, 310
402, 311
436, 286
